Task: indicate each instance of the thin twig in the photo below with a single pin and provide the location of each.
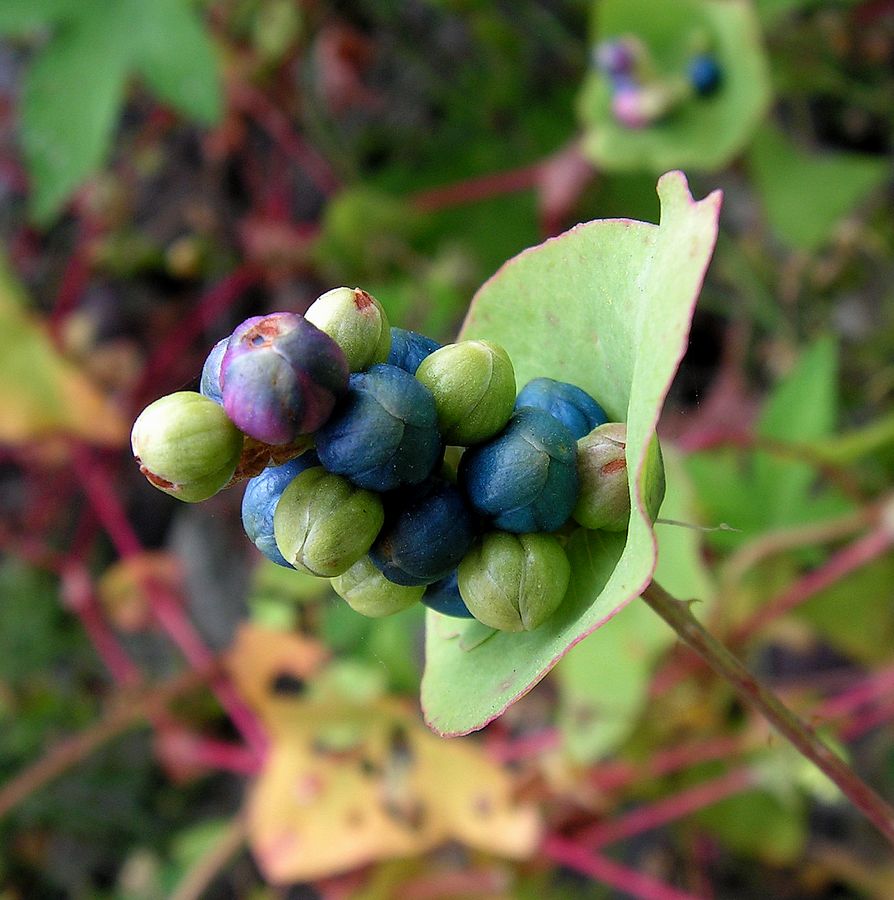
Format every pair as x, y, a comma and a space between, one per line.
679, 616
211, 863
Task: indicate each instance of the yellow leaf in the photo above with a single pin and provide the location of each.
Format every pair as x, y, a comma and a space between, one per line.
346, 784
42, 393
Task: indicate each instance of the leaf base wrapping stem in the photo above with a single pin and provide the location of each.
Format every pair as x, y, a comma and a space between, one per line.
678, 615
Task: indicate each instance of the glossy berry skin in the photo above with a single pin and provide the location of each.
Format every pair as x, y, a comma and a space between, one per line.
384, 432
571, 405
259, 501
443, 596
209, 386
408, 349
426, 534
356, 321
280, 377
704, 75
525, 479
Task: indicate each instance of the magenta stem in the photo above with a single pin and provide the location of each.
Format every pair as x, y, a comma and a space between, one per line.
474, 190
600, 868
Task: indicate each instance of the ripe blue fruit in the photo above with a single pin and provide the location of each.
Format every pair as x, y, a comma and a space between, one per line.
571, 405
704, 74
259, 501
525, 479
280, 377
427, 532
384, 432
408, 349
209, 386
443, 596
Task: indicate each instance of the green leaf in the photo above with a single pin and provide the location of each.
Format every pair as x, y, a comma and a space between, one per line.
606, 306
70, 100
805, 195
604, 680
705, 132
20, 17
174, 53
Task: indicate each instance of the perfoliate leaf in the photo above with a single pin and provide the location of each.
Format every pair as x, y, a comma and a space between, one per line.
347, 783
70, 100
805, 195
606, 306
42, 393
702, 132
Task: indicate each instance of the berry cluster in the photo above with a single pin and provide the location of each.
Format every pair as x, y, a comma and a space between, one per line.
342, 425
639, 96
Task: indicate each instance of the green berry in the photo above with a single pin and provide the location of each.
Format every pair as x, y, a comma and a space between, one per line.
604, 499
367, 591
323, 524
186, 446
356, 322
514, 582
473, 384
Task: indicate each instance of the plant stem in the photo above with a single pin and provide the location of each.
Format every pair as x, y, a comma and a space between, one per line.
600, 868
678, 615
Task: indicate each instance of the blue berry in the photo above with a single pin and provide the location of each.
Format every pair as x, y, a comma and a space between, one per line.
704, 75
525, 479
426, 534
571, 405
384, 433
259, 501
443, 596
209, 385
280, 377
408, 349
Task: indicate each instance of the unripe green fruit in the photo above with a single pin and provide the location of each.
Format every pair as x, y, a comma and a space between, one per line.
514, 582
473, 384
323, 524
604, 499
186, 446
356, 322
367, 591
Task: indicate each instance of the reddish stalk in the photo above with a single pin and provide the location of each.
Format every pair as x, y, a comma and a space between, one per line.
600, 868
868, 690
74, 279
474, 190
668, 809
861, 552
257, 106
678, 615
219, 298
104, 500
78, 596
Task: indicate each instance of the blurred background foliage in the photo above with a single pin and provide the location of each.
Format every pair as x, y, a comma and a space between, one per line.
169, 168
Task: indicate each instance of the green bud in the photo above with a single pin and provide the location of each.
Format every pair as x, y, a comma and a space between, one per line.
473, 384
323, 524
604, 499
186, 446
356, 322
514, 582
367, 591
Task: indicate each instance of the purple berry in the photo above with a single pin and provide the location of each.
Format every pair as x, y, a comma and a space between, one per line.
280, 377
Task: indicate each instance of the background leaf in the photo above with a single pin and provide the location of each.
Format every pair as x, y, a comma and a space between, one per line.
806, 195
606, 306
71, 96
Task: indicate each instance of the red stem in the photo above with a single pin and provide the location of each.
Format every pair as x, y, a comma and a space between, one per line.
600, 868
866, 691
862, 551
473, 190
258, 106
74, 279
104, 500
668, 809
